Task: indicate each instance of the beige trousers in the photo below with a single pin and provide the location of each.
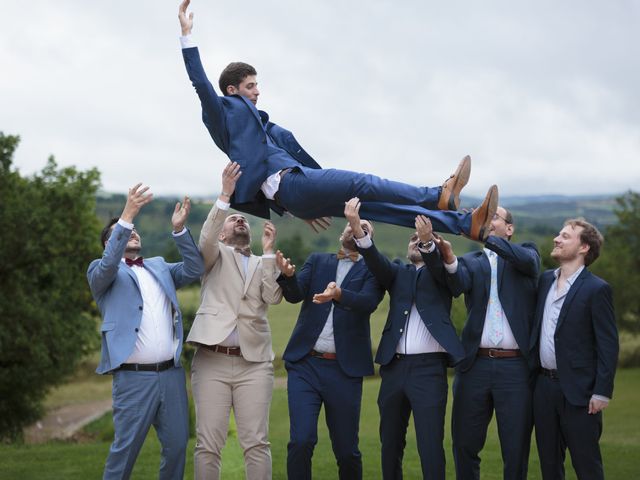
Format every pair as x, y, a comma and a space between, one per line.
221, 382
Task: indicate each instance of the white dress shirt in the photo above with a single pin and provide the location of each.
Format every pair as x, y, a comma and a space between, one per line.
326, 342
508, 340
416, 337
156, 341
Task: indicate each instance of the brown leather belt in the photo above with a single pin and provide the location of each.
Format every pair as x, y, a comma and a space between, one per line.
498, 353
233, 351
325, 355
553, 374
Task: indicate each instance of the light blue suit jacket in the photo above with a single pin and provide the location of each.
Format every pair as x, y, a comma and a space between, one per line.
115, 288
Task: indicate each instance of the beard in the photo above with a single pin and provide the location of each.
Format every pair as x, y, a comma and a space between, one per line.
239, 238
133, 250
414, 256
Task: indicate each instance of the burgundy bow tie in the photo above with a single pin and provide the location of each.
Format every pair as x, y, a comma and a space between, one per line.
353, 256
137, 261
246, 251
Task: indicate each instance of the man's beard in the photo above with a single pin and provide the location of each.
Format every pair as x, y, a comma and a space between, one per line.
414, 257
132, 250
239, 238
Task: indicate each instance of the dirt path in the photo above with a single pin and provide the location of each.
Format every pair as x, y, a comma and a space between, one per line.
63, 422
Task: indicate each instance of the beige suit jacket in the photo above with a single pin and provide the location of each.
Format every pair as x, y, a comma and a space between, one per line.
229, 299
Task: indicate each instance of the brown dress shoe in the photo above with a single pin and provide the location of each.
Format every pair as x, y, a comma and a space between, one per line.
450, 195
482, 216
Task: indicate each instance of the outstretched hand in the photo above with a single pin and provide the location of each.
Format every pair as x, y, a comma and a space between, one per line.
424, 228
136, 199
332, 292
180, 214
444, 246
268, 237
351, 213
186, 22
318, 224
230, 176
284, 264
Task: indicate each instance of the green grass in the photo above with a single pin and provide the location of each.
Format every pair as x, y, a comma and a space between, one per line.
620, 446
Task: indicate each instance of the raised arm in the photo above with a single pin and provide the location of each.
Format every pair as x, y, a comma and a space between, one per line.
271, 291
102, 273
192, 265
525, 257
212, 108
378, 264
208, 243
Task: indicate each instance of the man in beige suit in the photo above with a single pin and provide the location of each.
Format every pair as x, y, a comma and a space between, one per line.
232, 366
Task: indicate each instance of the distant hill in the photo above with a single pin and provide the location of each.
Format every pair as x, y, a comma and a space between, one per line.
538, 218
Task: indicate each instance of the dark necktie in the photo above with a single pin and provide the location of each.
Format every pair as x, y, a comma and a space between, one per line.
353, 256
137, 261
246, 251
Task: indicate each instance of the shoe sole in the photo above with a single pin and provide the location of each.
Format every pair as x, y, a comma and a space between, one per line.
491, 200
460, 179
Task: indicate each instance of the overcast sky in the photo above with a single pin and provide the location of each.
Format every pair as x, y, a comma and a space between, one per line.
544, 95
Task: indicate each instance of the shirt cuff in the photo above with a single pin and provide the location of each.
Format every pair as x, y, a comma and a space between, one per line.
180, 233
125, 224
430, 249
452, 267
601, 398
268, 255
222, 205
186, 41
364, 242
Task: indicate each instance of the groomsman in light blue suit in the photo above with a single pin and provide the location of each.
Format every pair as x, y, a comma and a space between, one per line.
142, 338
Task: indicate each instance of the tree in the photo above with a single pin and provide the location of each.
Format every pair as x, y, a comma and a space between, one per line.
620, 261
50, 233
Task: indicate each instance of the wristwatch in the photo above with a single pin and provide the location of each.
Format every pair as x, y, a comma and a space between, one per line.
425, 246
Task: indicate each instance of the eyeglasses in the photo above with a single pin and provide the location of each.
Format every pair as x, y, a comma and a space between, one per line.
496, 217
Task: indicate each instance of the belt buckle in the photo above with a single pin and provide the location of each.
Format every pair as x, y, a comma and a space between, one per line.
491, 350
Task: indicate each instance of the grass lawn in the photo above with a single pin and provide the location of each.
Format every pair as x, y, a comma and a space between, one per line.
620, 447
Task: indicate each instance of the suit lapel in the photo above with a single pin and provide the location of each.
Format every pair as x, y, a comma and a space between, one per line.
254, 261
238, 259
577, 284
500, 272
485, 266
357, 266
546, 280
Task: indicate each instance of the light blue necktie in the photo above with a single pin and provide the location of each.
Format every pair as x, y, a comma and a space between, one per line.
494, 308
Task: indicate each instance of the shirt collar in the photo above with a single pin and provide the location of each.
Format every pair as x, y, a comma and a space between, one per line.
572, 278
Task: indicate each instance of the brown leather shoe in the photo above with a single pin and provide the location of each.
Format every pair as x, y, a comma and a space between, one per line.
482, 216
450, 195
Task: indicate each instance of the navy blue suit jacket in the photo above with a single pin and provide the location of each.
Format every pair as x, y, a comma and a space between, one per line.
361, 294
518, 269
237, 128
586, 337
426, 288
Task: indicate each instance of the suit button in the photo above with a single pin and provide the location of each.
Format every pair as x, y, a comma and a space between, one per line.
137, 330
400, 330
406, 312
244, 297
140, 307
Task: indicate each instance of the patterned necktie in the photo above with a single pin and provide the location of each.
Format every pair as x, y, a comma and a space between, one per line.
353, 256
494, 308
138, 261
246, 251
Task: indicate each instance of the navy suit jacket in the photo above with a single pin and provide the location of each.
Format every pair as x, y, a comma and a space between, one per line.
518, 269
361, 294
586, 337
426, 288
115, 288
237, 128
